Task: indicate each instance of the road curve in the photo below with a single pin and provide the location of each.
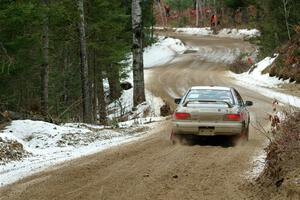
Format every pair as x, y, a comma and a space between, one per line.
153, 168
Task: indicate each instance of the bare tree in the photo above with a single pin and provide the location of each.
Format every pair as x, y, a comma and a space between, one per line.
137, 54
286, 11
162, 14
45, 65
200, 5
86, 102
197, 13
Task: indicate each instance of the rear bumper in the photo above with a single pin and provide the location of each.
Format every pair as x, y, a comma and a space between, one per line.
207, 128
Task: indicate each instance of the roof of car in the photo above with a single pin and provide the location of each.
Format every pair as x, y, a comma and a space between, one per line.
210, 88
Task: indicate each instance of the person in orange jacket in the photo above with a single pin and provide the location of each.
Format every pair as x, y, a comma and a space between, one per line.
213, 20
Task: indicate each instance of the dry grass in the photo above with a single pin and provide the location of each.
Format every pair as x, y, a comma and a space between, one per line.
287, 65
240, 65
281, 177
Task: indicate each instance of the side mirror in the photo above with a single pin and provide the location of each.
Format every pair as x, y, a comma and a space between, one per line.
177, 100
248, 103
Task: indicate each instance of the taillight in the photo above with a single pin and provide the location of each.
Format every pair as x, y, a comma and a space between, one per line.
182, 116
233, 117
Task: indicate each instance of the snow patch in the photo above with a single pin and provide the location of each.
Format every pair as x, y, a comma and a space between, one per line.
49, 144
255, 76
226, 32
258, 165
163, 51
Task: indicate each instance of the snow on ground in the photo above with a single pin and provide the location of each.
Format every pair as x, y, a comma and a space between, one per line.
226, 32
264, 84
162, 51
48, 144
258, 165
255, 76
124, 105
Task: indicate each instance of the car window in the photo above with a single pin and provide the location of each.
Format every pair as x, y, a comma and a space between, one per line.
239, 98
207, 94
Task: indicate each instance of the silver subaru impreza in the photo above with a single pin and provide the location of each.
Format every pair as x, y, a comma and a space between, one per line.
210, 111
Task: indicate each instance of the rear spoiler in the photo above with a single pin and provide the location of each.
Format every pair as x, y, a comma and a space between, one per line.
208, 101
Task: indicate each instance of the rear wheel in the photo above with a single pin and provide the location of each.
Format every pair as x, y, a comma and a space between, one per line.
244, 136
241, 138
247, 130
247, 134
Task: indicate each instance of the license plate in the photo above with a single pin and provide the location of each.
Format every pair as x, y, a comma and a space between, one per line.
206, 131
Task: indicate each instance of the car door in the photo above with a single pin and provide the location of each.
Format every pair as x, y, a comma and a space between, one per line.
244, 110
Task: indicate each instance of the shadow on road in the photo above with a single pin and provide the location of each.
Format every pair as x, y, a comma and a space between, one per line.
223, 141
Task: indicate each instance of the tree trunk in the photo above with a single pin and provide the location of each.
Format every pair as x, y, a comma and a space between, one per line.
45, 65
95, 87
114, 82
286, 16
197, 13
137, 54
201, 12
162, 13
86, 101
101, 100
65, 72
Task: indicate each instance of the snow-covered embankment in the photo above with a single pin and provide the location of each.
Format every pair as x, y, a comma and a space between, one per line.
224, 33
255, 80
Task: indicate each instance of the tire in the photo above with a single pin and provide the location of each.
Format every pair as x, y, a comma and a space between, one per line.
244, 136
241, 138
247, 134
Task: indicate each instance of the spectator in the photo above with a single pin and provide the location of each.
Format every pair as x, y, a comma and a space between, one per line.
213, 20
167, 10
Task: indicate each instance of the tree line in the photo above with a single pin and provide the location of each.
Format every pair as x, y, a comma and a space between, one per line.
54, 55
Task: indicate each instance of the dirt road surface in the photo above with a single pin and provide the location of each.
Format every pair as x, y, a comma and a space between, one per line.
153, 168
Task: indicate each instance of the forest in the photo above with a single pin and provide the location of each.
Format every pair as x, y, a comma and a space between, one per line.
56, 55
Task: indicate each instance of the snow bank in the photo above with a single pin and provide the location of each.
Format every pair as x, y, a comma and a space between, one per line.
238, 33
255, 77
263, 83
258, 165
195, 31
49, 144
231, 33
124, 105
162, 51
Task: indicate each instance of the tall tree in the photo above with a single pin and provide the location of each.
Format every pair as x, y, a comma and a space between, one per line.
286, 11
45, 64
197, 13
86, 101
162, 13
137, 54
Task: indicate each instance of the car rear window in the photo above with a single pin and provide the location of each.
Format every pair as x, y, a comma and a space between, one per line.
207, 94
